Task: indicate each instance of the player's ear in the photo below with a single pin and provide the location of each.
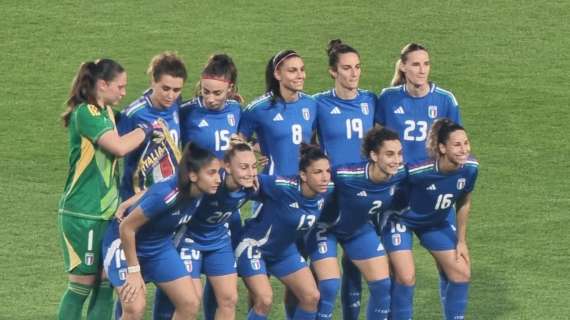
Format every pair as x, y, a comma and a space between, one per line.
277, 75
401, 66
193, 177
441, 148
303, 176
373, 156
227, 167
333, 73
101, 84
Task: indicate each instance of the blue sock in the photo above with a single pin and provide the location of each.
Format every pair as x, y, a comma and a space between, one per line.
456, 300
329, 289
118, 310
402, 305
209, 302
301, 314
254, 316
379, 301
350, 290
162, 309
443, 282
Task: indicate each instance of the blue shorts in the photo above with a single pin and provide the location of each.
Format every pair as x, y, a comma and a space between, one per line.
217, 262
365, 244
163, 267
251, 261
396, 236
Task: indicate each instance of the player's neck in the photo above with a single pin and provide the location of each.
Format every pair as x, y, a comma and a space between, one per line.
417, 91
289, 95
377, 175
446, 166
156, 104
307, 191
345, 93
195, 192
231, 184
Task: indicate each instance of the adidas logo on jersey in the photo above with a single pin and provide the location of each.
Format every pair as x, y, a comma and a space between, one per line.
335, 110
294, 205
362, 194
399, 110
203, 123
278, 117
431, 187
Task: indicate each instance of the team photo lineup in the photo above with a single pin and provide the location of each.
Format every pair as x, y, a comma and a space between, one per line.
323, 192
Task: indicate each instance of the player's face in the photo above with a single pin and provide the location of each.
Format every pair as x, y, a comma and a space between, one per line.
207, 179
347, 73
457, 148
317, 176
243, 168
291, 74
417, 68
166, 90
111, 92
388, 158
214, 92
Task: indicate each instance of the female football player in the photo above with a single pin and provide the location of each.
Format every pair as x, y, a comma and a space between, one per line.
410, 107
140, 248
291, 205
362, 190
158, 158
90, 197
435, 187
205, 245
210, 120
344, 115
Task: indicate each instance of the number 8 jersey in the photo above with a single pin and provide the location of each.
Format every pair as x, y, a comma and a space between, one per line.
412, 116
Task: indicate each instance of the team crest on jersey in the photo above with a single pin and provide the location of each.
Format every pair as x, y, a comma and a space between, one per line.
255, 264
432, 111
364, 108
306, 114
396, 239
323, 248
231, 120
460, 183
89, 258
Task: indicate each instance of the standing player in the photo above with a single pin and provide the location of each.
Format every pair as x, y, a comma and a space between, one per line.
344, 115
410, 107
205, 245
362, 190
291, 205
90, 196
140, 248
435, 187
158, 158
210, 120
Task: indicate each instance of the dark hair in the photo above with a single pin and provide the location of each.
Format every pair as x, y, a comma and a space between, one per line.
84, 85
235, 148
399, 77
439, 132
335, 49
272, 84
309, 154
166, 63
375, 138
223, 67
193, 159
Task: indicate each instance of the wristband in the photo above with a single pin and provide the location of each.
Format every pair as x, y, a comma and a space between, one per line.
134, 269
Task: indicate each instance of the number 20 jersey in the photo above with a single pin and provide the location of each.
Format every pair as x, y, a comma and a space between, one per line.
411, 117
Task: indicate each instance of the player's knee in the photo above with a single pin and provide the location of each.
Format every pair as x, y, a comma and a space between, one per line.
310, 298
133, 310
228, 300
188, 308
406, 278
262, 302
461, 274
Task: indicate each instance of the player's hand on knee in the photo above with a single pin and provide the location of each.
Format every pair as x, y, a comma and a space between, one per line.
133, 286
462, 252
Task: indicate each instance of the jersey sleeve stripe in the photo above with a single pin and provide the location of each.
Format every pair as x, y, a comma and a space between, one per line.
448, 94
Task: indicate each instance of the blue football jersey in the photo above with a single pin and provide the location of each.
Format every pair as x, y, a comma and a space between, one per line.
342, 124
210, 129
432, 194
161, 204
152, 161
357, 199
286, 215
208, 225
280, 129
412, 117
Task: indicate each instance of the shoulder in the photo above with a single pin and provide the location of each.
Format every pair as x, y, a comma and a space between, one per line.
390, 91
366, 94
444, 93
472, 163
135, 107
287, 182
322, 95
351, 171
233, 105
416, 168
190, 104
258, 102
306, 97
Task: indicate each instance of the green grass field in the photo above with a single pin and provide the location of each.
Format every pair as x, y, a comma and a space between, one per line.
506, 61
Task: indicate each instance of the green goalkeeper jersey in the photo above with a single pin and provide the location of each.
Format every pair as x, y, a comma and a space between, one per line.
91, 187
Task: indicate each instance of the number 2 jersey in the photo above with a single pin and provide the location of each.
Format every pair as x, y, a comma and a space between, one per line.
432, 193
280, 128
285, 217
412, 117
210, 129
342, 124
156, 159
